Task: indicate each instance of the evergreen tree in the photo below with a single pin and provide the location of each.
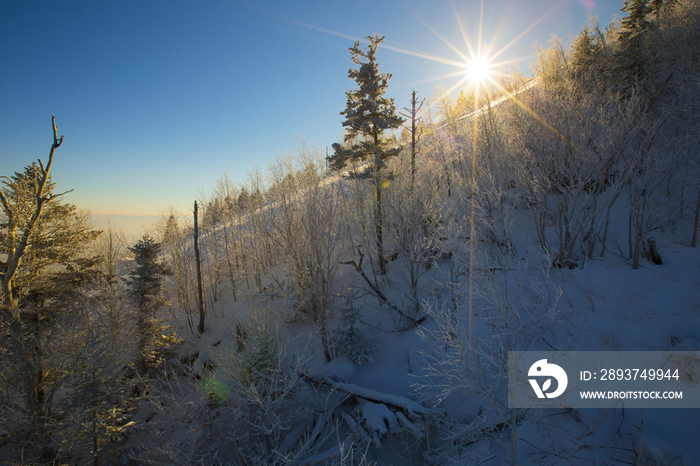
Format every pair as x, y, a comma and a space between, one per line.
636, 19
55, 247
633, 57
367, 116
148, 292
243, 201
588, 59
44, 263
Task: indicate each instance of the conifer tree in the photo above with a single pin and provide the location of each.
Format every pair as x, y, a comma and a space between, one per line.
633, 57
44, 262
588, 59
147, 290
368, 116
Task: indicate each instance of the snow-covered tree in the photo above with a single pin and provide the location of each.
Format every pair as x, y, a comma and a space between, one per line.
367, 117
147, 289
308, 228
93, 418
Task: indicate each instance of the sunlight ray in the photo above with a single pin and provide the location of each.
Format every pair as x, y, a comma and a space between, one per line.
320, 29
467, 42
458, 85
481, 29
422, 55
444, 40
501, 26
528, 29
511, 61
384, 46
446, 75
477, 66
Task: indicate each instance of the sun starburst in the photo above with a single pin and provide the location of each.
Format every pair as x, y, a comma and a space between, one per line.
478, 70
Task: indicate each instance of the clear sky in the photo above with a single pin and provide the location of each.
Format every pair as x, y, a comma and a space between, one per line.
157, 99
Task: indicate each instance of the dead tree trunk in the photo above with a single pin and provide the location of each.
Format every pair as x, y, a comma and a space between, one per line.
15, 251
198, 264
694, 241
415, 121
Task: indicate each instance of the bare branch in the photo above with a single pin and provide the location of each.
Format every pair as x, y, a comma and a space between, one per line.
5, 204
382, 298
51, 197
56, 141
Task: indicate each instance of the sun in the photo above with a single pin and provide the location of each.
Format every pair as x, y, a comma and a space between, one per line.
478, 70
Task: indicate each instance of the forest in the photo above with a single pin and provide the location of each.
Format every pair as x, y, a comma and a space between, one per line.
358, 307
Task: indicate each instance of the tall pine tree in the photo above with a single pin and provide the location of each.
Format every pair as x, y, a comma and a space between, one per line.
368, 116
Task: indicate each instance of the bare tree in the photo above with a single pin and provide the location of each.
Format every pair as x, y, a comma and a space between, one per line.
416, 217
574, 142
646, 187
112, 248
309, 229
228, 195
198, 271
518, 308
178, 255
412, 114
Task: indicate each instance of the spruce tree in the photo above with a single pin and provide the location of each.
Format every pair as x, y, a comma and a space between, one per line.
147, 290
588, 59
633, 57
368, 116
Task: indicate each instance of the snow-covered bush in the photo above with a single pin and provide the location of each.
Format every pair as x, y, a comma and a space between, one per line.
309, 230
466, 374
414, 211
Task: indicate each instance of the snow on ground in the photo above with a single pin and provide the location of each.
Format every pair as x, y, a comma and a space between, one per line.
618, 309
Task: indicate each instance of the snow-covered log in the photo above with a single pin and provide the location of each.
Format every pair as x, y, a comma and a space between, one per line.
413, 408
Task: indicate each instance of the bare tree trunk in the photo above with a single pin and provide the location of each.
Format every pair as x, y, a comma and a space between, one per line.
693, 242
413, 113
231, 274
629, 234
513, 438
607, 223
198, 264
379, 219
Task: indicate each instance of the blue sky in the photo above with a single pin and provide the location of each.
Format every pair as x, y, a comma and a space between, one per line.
157, 99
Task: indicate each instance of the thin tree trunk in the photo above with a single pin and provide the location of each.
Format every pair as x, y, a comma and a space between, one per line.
629, 234
198, 264
693, 242
607, 223
513, 438
637, 252
413, 113
379, 219
230, 266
